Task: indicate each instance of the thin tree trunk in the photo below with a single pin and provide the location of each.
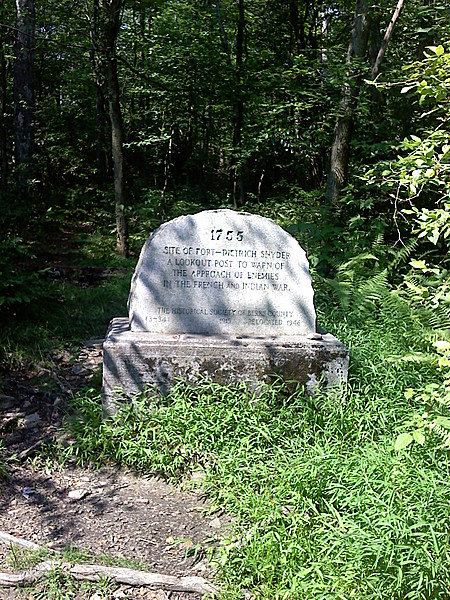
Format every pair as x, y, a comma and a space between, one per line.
3, 136
100, 113
237, 183
297, 29
374, 48
109, 20
386, 39
117, 143
238, 114
340, 149
23, 84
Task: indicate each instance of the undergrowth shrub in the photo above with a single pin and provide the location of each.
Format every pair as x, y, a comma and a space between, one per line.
19, 284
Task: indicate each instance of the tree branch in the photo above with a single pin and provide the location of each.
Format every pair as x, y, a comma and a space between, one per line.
386, 39
11, 540
153, 581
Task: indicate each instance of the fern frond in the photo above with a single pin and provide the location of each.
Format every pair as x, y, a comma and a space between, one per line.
371, 291
379, 240
404, 254
355, 261
440, 318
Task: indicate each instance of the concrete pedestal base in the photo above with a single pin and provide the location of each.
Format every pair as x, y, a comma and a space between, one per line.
136, 360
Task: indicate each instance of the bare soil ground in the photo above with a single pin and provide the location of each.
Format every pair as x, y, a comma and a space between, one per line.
108, 511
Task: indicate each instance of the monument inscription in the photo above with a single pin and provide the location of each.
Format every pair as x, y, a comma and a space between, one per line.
222, 272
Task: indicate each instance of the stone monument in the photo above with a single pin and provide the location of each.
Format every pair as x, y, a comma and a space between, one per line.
222, 295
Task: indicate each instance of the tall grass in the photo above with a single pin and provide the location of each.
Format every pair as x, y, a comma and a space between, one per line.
325, 507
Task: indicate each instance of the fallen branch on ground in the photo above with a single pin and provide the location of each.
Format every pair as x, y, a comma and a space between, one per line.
11, 540
154, 581
29, 576
143, 579
26, 453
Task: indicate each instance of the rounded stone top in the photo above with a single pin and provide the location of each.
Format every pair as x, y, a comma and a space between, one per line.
222, 272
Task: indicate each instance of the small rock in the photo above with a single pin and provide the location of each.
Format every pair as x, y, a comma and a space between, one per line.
27, 492
78, 494
215, 523
30, 421
79, 370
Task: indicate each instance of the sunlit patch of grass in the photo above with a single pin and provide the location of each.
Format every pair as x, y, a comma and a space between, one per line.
325, 507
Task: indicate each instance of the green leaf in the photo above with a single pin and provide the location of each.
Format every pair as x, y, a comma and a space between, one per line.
434, 236
419, 437
418, 264
443, 422
402, 441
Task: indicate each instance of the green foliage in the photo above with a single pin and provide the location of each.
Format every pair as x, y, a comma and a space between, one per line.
18, 284
325, 506
419, 174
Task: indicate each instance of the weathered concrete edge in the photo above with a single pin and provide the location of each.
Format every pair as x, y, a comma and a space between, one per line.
135, 361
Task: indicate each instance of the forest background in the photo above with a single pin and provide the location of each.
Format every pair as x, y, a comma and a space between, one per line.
329, 117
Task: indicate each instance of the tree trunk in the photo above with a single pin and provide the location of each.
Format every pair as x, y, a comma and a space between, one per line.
238, 114
24, 86
340, 149
100, 113
109, 24
3, 136
237, 183
386, 40
374, 48
117, 142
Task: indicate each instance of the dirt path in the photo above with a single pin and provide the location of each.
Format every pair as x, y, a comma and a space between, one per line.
106, 511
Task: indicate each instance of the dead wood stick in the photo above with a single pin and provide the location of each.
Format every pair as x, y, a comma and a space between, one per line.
29, 576
26, 453
143, 579
11, 540
154, 581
